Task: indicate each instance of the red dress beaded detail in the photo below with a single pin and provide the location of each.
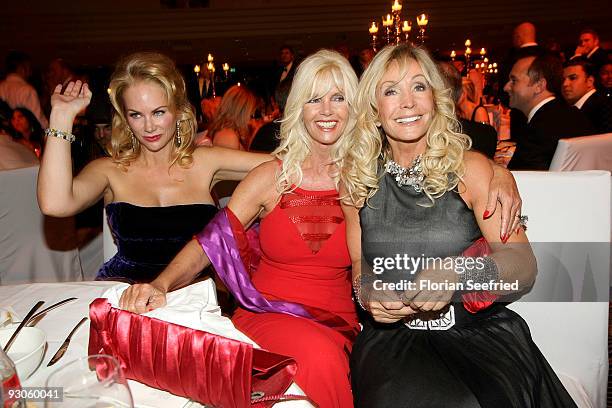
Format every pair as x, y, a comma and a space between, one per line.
316, 215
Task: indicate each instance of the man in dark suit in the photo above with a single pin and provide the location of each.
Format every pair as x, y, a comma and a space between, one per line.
589, 48
579, 91
288, 65
524, 44
533, 85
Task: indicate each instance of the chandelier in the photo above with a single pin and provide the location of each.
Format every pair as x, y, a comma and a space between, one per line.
396, 30
210, 67
481, 63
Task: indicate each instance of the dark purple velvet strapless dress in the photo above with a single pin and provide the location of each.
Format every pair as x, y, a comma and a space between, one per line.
148, 238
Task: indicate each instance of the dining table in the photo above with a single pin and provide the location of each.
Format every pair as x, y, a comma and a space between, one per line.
59, 322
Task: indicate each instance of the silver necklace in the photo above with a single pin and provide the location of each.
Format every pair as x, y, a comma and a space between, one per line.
411, 176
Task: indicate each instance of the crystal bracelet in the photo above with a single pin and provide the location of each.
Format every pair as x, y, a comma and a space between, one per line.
486, 272
358, 283
59, 134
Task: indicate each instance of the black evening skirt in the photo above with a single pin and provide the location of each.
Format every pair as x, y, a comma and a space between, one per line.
485, 360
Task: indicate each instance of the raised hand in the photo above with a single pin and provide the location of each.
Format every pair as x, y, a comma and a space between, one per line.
73, 100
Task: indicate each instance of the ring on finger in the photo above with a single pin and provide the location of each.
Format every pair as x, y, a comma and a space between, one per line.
522, 220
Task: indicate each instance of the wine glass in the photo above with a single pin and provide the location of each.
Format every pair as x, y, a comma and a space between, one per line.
95, 381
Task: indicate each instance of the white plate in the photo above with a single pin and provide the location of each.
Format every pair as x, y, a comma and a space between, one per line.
27, 350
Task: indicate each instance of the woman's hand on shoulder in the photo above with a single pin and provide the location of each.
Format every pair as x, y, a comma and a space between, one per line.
142, 298
499, 186
487, 186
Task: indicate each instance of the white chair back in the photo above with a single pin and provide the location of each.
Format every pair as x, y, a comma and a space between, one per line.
569, 228
110, 249
583, 153
33, 248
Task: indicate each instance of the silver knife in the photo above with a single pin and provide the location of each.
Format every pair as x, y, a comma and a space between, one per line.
35, 318
60, 353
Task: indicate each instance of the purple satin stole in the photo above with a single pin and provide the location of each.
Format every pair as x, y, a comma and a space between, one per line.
226, 244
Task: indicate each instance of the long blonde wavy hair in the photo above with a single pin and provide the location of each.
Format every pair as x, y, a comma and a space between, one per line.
158, 69
442, 161
314, 78
235, 110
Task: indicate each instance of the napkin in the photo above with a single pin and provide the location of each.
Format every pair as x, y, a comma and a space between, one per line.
7, 316
193, 306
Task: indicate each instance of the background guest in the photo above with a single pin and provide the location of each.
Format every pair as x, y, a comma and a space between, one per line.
484, 136
230, 127
288, 67
589, 48
469, 105
14, 155
16, 91
27, 130
524, 43
605, 79
579, 91
267, 138
363, 60
58, 72
533, 86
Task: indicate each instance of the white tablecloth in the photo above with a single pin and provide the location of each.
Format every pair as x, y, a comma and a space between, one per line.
58, 323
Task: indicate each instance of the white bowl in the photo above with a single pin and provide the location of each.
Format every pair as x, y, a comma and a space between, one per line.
27, 350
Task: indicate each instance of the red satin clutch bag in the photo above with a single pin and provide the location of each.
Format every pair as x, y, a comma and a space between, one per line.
205, 367
476, 301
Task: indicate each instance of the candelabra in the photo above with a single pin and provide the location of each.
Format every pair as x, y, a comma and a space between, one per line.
396, 9
373, 31
468, 53
406, 29
211, 71
388, 24
422, 23
394, 27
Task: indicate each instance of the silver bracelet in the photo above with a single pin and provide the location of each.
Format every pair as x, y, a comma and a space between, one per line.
357, 286
487, 273
59, 134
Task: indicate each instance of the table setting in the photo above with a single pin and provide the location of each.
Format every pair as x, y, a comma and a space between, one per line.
58, 343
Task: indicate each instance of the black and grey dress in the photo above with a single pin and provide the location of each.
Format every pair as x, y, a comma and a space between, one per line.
487, 359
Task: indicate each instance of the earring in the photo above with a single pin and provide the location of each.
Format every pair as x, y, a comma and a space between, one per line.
178, 134
377, 124
133, 138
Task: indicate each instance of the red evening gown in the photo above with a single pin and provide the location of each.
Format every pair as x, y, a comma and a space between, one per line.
305, 260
